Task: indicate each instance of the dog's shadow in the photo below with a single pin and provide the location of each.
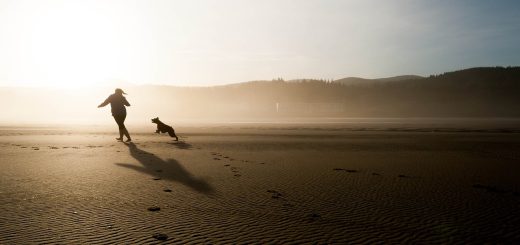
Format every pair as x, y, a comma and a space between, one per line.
167, 170
181, 145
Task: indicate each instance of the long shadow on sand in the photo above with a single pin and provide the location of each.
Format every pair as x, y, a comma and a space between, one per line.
181, 145
170, 169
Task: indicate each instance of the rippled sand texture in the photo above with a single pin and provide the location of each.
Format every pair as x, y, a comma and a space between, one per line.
259, 186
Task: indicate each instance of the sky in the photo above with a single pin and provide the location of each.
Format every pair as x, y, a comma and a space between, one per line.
209, 42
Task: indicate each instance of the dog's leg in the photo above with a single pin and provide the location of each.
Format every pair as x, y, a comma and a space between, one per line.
171, 132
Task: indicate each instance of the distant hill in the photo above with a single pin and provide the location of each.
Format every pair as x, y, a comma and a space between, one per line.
400, 78
364, 81
475, 92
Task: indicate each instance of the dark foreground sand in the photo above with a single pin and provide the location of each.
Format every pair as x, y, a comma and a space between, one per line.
259, 185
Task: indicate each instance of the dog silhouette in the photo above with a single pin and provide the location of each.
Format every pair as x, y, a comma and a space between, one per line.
163, 128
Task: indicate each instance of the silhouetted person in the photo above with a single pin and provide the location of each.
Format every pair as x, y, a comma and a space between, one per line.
118, 102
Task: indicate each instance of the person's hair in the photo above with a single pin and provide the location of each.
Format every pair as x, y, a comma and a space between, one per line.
119, 91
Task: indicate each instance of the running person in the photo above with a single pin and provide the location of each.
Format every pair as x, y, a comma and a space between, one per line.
118, 102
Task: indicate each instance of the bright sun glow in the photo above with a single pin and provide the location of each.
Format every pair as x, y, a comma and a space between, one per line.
80, 43
73, 44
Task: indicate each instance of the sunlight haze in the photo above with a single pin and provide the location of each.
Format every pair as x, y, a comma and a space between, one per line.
259, 121
193, 43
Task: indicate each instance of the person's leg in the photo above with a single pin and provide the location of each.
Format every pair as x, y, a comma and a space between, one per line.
127, 135
125, 131
120, 123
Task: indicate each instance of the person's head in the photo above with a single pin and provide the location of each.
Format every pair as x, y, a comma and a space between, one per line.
119, 91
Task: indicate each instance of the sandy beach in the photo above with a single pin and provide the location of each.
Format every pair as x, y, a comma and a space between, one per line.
259, 185
298, 122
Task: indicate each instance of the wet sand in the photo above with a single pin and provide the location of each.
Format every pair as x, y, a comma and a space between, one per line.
260, 185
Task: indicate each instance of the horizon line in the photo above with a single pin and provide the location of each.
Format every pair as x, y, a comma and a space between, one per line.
172, 84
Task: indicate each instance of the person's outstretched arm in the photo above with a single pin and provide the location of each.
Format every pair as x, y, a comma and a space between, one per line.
104, 103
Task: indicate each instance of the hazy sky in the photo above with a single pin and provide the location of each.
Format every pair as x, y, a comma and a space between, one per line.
206, 42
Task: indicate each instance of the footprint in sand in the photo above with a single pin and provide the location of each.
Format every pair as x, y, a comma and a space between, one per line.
313, 217
235, 171
154, 209
160, 236
489, 188
286, 203
346, 170
275, 194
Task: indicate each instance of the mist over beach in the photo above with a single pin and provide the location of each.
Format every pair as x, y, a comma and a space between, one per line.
259, 122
